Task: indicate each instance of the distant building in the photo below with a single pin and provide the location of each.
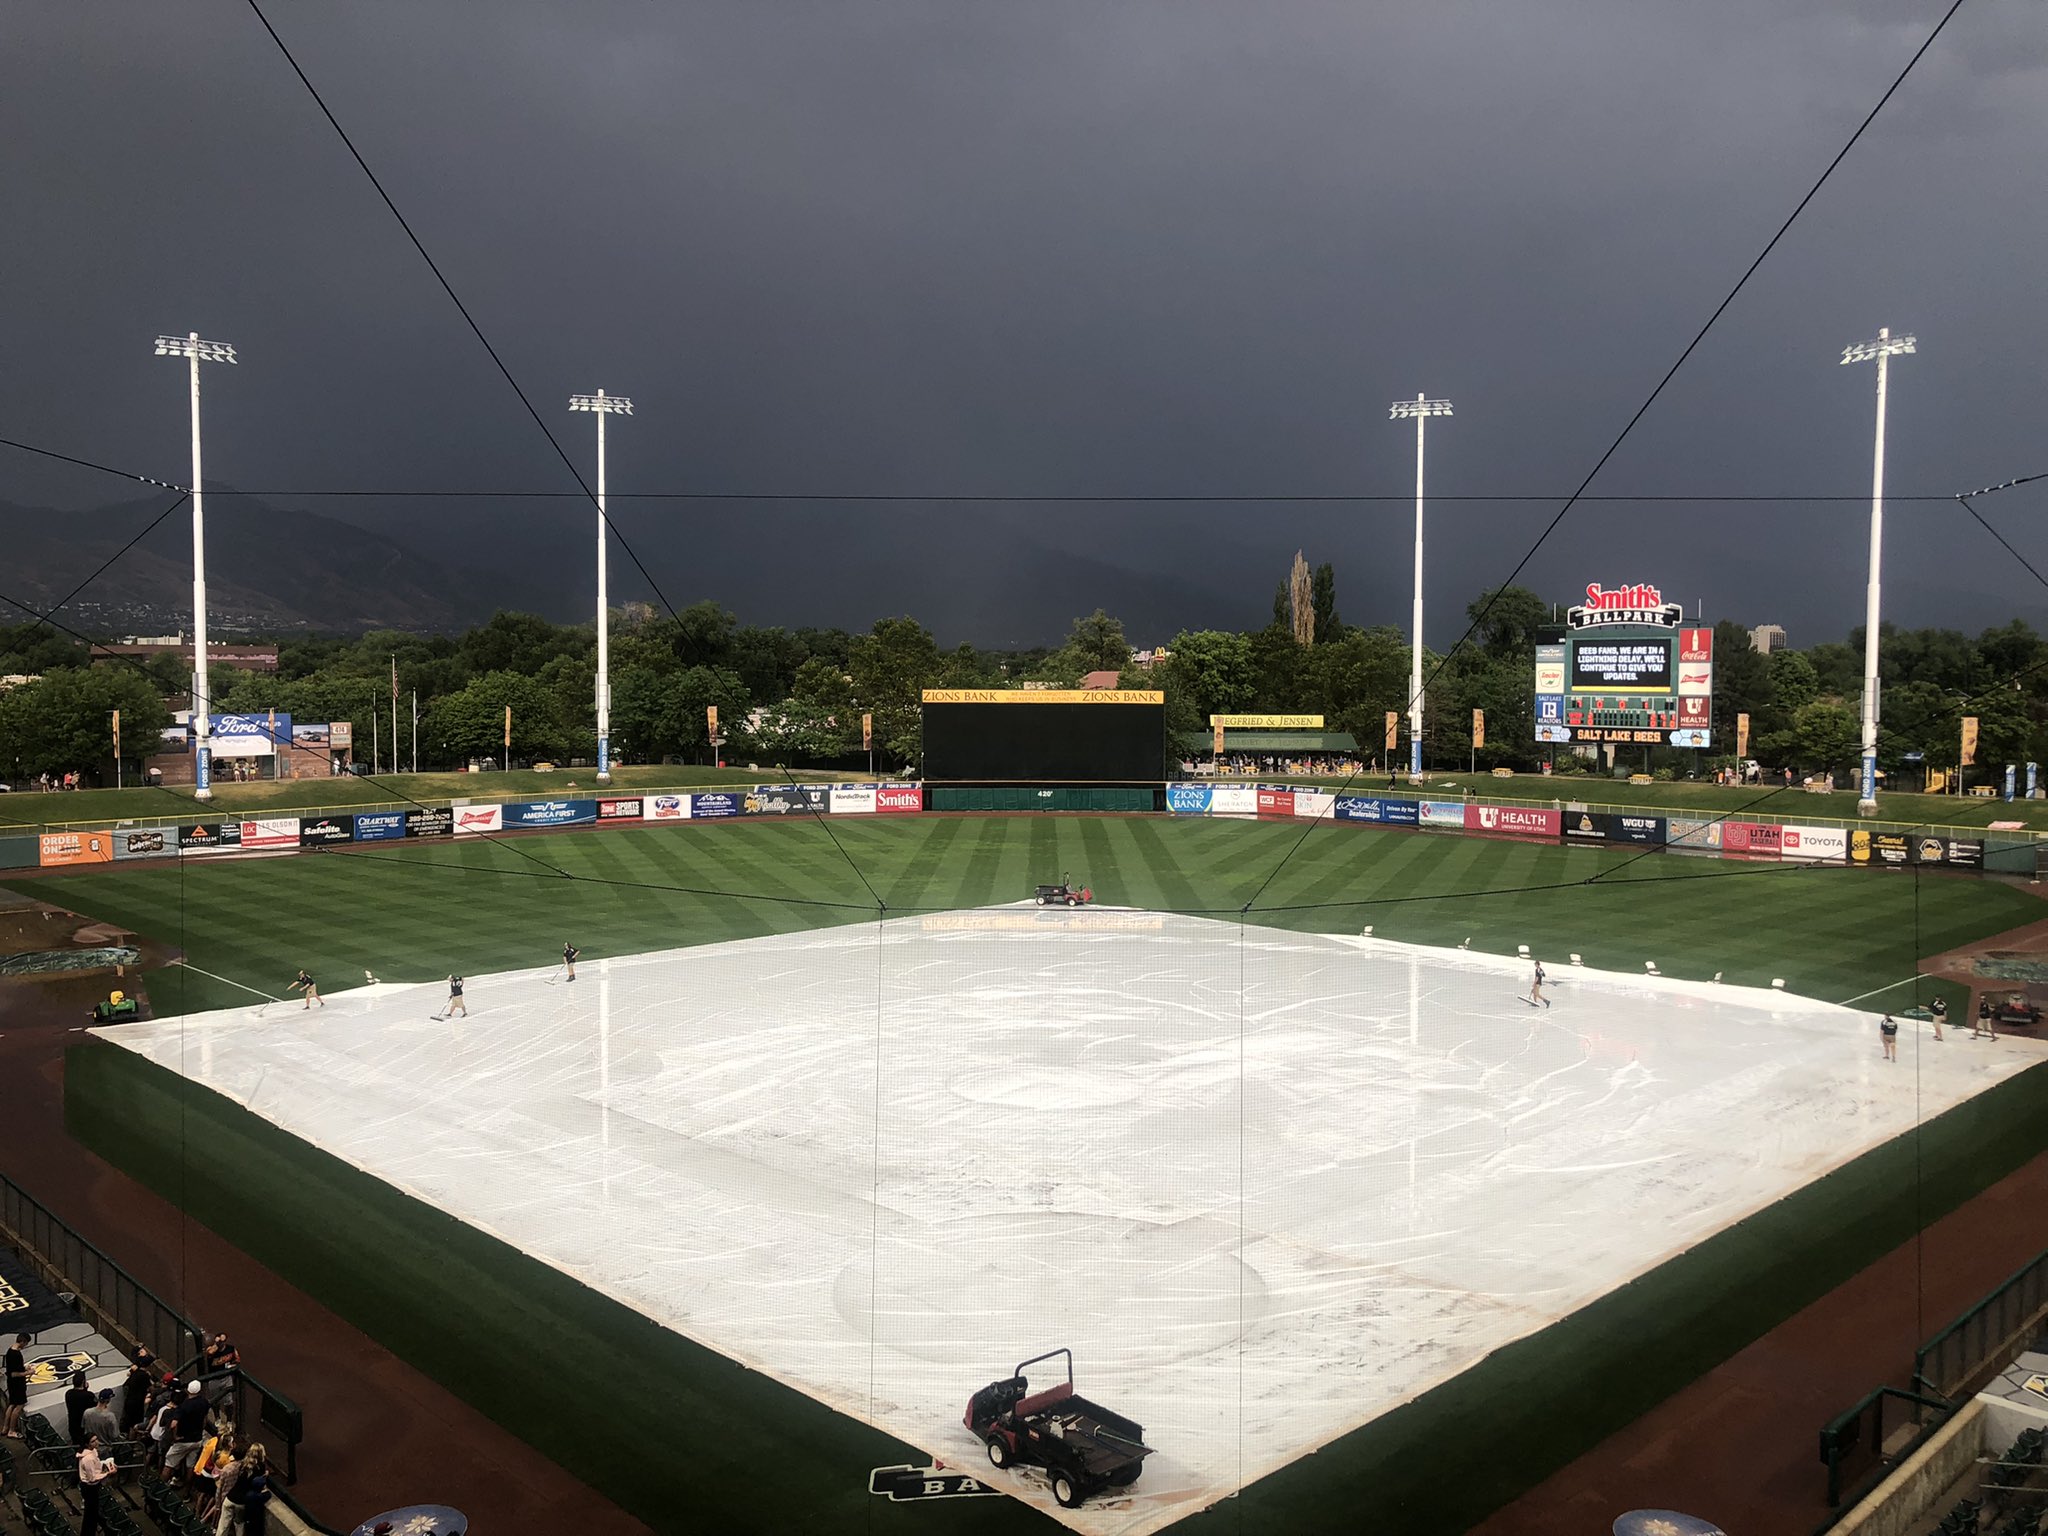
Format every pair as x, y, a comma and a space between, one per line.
1766, 638
241, 658
1099, 680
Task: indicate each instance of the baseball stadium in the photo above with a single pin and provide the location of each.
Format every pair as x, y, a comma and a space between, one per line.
647, 991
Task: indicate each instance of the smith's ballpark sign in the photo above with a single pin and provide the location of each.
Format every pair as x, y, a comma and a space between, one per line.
1640, 604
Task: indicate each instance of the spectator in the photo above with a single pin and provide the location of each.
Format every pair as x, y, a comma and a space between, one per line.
226, 1473
162, 1404
188, 1431
17, 1386
101, 1420
252, 1493
95, 1468
77, 1399
135, 1393
221, 1354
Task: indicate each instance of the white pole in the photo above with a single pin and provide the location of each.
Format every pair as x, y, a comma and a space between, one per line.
1866, 802
1415, 669
202, 696
604, 702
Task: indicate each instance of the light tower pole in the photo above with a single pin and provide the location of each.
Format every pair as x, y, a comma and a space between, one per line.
1883, 349
1421, 408
602, 405
197, 352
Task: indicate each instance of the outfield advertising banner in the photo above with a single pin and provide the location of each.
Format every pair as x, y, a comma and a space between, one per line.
775, 800
1584, 826
1759, 840
271, 832
1692, 832
619, 810
1312, 804
1442, 813
1814, 844
1512, 820
1234, 800
145, 842
75, 848
1626, 828
1891, 850
1276, 802
896, 799
1188, 799
714, 803
549, 813
1954, 852
318, 830
436, 821
473, 819
1357, 808
852, 800
209, 836
665, 808
379, 826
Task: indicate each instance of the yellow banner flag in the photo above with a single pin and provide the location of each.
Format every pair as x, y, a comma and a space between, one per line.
1742, 735
508, 727
867, 732
1478, 729
1969, 741
117, 733
711, 719
1217, 745
1393, 729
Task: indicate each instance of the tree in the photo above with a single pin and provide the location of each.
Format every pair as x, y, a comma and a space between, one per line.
1505, 621
471, 723
1097, 644
1794, 684
1323, 602
824, 684
892, 665
1825, 735
1213, 669
64, 721
1742, 685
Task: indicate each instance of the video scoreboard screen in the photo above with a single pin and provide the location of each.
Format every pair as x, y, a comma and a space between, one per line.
1627, 671
1045, 736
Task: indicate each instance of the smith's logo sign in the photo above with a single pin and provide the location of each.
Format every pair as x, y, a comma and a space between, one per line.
1639, 604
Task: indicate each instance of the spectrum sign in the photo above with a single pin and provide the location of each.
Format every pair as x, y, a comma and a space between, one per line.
1629, 671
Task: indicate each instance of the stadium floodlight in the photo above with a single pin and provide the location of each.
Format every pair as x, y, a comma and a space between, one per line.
195, 351
1421, 408
602, 405
1880, 351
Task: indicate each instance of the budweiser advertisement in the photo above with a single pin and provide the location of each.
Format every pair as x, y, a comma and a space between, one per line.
472, 819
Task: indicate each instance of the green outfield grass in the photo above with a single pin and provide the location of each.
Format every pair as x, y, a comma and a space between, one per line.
29, 811
416, 911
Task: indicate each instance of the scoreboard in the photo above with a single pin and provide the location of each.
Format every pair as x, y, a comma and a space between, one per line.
1044, 736
1628, 670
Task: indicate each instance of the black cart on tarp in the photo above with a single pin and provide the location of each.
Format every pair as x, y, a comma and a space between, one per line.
1083, 1447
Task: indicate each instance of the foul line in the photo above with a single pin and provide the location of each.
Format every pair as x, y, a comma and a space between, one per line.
188, 965
1845, 1002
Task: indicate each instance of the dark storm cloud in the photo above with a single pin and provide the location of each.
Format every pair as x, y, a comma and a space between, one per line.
1058, 249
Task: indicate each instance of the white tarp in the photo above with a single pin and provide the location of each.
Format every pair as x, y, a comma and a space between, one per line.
1267, 1186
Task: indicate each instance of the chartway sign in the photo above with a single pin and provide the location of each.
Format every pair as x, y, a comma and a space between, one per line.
1639, 604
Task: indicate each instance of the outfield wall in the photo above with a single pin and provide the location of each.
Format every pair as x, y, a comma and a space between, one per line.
1882, 846
467, 1310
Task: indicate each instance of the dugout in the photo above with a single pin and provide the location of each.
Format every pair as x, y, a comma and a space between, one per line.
997, 749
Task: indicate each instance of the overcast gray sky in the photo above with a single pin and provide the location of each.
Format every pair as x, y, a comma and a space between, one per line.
1056, 248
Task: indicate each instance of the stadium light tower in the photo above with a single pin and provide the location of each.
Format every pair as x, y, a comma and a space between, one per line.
1421, 408
1883, 350
196, 352
602, 405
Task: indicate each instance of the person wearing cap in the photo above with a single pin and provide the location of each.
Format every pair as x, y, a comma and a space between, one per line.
188, 1430
100, 1419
